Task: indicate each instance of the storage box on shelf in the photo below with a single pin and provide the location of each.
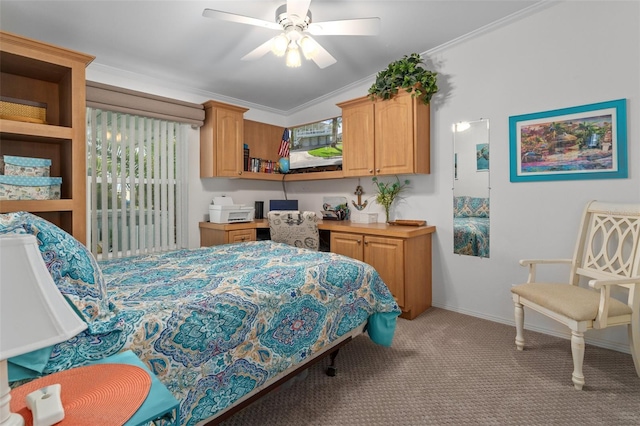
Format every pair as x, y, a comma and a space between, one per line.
25, 166
29, 188
42, 74
23, 110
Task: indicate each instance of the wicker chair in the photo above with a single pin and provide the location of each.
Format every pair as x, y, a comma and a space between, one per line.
607, 255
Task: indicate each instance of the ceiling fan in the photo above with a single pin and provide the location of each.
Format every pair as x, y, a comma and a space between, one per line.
293, 21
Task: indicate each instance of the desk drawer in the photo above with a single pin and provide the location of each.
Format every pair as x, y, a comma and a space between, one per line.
242, 235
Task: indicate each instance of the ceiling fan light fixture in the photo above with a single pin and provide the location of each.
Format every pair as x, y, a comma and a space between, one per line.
279, 45
293, 56
309, 47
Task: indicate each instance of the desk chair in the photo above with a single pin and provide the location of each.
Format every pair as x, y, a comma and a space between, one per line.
607, 255
299, 229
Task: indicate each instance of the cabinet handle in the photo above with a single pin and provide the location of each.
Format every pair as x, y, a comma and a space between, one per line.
366, 243
377, 170
359, 241
239, 173
370, 170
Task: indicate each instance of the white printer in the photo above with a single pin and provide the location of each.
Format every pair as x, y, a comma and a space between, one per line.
224, 211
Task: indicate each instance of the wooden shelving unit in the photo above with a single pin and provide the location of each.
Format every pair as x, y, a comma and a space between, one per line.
39, 72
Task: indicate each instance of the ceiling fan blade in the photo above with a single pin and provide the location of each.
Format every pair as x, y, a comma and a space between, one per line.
363, 26
259, 51
241, 19
323, 58
298, 8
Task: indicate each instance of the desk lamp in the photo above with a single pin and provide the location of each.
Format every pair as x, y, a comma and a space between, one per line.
33, 312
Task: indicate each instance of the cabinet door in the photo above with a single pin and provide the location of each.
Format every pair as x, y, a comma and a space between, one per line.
394, 138
242, 235
229, 136
349, 245
357, 138
386, 255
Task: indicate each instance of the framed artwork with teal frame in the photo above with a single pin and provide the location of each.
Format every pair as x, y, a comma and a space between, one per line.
582, 142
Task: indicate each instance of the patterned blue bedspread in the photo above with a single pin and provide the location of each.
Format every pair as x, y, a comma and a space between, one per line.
471, 236
215, 323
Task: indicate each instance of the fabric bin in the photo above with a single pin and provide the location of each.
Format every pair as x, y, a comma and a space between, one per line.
29, 188
25, 166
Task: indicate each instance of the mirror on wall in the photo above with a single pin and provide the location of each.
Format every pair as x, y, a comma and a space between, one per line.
471, 188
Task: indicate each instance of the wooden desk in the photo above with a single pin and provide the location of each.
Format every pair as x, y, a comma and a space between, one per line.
400, 254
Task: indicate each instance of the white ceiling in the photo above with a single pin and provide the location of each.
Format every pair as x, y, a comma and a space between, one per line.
171, 41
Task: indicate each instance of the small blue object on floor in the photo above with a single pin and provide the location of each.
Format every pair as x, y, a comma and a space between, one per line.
159, 403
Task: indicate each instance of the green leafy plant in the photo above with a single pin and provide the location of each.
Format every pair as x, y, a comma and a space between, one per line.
407, 73
388, 192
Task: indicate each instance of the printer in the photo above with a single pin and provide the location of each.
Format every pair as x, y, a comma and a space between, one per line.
224, 211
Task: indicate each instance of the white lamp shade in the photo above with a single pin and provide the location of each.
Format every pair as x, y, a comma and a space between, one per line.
309, 47
293, 56
279, 44
33, 312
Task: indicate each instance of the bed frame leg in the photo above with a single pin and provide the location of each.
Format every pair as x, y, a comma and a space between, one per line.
332, 369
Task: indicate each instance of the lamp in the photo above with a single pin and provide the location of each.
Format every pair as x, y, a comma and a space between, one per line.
290, 43
309, 47
33, 312
293, 55
279, 44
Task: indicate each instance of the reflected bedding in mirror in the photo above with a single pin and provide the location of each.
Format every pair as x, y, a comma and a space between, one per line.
471, 188
471, 226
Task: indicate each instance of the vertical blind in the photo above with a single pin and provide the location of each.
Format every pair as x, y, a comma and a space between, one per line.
136, 183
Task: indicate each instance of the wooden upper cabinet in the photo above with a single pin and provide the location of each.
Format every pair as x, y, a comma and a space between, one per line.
385, 137
357, 137
221, 140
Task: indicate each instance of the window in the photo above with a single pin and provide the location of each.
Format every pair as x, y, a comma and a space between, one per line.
136, 184
317, 144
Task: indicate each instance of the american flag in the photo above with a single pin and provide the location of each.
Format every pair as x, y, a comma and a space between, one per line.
284, 144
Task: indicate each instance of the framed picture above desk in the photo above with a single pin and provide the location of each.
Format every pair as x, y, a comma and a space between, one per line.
400, 254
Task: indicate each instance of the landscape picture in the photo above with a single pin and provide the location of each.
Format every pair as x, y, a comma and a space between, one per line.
583, 143
576, 144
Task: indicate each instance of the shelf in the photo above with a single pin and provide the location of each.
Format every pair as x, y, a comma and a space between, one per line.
292, 177
35, 132
36, 205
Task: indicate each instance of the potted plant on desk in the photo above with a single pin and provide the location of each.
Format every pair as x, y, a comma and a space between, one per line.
388, 192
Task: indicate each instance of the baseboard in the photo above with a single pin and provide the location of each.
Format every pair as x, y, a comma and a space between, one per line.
607, 344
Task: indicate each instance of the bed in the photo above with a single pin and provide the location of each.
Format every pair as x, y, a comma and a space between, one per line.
471, 226
217, 325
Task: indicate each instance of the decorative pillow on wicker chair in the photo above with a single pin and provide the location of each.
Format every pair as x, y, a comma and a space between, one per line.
73, 267
299, 229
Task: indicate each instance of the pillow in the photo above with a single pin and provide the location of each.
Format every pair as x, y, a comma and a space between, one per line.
458, 206
11, 223
471, 207
73, 267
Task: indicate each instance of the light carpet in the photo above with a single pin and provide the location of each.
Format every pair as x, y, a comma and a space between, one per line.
446, 368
